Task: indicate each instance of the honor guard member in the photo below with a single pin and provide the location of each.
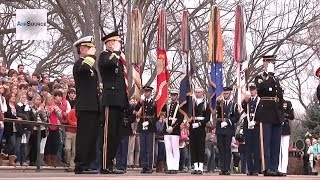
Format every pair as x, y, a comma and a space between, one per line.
114, 99
270, 114
285, 137
146, 128
125, 132
172, 133
87, 104
198, 130
252, 131
227, 117
318, 88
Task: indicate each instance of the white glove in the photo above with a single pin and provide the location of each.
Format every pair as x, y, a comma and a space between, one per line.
169, 130
142, 97
241, 131
195, 125
224, 124
146, 123
252, 123
270, 68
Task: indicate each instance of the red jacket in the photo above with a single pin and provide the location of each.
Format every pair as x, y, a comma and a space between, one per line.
72, 120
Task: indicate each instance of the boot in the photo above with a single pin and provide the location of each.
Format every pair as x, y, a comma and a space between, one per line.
160, 167
12, 159
54, 160
2, 157
48, 159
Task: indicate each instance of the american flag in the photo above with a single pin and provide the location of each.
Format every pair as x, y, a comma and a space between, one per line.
122, 57
121, 32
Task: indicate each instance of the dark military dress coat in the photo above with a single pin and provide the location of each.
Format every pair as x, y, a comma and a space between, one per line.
112, 74
288, 115
86, 80
172, 121
269, 111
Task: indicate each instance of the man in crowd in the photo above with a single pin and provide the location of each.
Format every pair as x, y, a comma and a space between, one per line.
198, 131
252, 131
172, 133
270, 114
227, 117
87, 104
114, 98
285, 137
146, 128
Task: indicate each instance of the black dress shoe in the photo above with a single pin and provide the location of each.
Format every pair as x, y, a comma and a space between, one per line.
90, 171
174, 172
249, 174
199, 172
143, 171
194, 172
118, 171
255, 174
107, 171
269, 173
227, 173
149, 171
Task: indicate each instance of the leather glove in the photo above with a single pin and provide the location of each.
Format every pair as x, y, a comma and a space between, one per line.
224, 124
195, 125
146, 123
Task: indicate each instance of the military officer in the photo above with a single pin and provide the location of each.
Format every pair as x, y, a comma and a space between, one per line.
270, 114
114, 99
252, 131
227, 117
87, 104
197, 130
172, 133
318, 88
125, 131
146, 128
285, 137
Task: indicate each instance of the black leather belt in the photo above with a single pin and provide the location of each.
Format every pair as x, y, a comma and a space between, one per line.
270, 99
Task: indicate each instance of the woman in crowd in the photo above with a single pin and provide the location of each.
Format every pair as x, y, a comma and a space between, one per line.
3, 109
183, 146
38, 113
11, 130
53, 139
22, 108
210, 150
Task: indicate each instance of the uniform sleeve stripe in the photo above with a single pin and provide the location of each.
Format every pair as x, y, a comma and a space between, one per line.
89, 61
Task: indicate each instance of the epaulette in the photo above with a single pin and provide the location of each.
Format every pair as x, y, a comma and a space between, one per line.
89, 61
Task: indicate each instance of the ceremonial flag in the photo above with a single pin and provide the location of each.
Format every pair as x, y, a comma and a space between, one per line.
122, 56
185, 98
240, 53
162, 63
136, 51
215, 56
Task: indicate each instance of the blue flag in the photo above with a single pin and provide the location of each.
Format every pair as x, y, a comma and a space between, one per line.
216, 83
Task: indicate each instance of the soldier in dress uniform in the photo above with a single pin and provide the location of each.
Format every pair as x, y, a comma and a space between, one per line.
172, 133
87, 104
197, 130
125, 131
270, 114
252, 131
146, 128
285, 137
227, 117
318, 88
114, 99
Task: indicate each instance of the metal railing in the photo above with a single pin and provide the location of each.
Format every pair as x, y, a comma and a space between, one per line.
38, 125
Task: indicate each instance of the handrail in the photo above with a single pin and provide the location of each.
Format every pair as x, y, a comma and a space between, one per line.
38, 124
